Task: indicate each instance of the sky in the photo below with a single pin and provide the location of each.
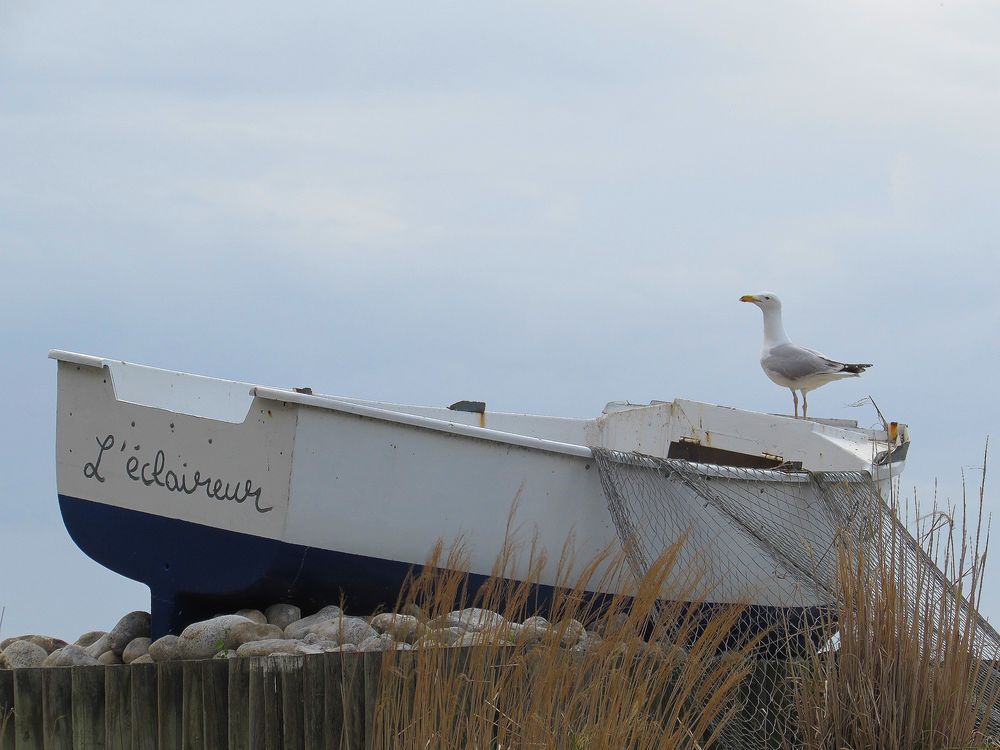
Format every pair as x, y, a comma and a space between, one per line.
545, 205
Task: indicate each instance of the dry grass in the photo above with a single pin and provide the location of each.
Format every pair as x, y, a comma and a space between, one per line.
911, 668
912, 665
656, 680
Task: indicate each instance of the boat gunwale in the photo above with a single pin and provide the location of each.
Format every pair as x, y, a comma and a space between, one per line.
332, 403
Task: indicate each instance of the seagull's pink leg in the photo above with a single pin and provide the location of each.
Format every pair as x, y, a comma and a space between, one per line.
795, 400
805, 405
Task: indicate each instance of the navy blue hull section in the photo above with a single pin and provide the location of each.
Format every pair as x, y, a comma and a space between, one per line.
195, 571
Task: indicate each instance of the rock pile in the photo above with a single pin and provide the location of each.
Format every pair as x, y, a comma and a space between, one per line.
95, 647
281, 629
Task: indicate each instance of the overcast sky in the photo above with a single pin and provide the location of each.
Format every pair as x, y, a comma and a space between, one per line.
544, 205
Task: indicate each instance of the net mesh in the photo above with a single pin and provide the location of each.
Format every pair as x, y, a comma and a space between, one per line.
776, 540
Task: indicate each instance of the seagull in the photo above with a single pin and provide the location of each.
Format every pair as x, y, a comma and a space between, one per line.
794, 367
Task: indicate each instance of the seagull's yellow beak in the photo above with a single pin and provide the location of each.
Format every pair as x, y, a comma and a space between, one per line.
748, 298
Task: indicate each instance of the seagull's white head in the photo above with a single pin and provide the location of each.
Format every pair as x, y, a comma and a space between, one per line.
766, 301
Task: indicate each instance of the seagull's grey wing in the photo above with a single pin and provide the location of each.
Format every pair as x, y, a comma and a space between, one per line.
794, 362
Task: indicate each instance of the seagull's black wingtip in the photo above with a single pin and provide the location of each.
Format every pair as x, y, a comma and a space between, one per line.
856, 369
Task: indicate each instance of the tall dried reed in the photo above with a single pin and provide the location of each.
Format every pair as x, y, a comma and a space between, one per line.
914, 666
653, 679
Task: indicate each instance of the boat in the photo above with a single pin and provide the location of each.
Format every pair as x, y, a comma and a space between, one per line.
219, 493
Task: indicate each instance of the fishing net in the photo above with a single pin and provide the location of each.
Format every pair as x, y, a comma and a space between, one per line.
777, 541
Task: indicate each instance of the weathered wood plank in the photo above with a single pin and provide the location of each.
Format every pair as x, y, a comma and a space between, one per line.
6, 709
239, 704
215, 703
372, 665
88, 708
292, 709
192, 711
57, 708
353, 670
273, 718
313, 689
170, 705
258, 702
28, 709
118, 707
144, 705
333, 701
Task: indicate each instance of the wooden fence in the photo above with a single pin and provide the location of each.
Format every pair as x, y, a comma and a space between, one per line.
310, 702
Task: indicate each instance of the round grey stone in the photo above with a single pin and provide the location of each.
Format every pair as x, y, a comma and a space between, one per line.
381, 642
47, 642
254, 615
572, 632
589, 641
136, 647
69, 656
144, 659
131, 626
282, 615
473, 619
276, 646
99, 646
322, 644
532, 630
89, 637
311, 624
345, 630
109, 657
244, 632
24, 654
440, 637
401, 627
203, 640
164, 649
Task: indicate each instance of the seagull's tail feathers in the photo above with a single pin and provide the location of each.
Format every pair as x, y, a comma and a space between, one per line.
856, 369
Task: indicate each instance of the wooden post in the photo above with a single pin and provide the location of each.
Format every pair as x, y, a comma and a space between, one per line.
313, 688
258, 702
271, 691
239, 704
57, 708
144, 705
28, 709
353, 669
397, 679
88, 708
6, 709
292, 709
193, 736
215, 703
170, 705
333, 701
118, 707
373, 673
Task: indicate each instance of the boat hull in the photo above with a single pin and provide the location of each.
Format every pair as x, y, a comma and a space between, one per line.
221, 495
